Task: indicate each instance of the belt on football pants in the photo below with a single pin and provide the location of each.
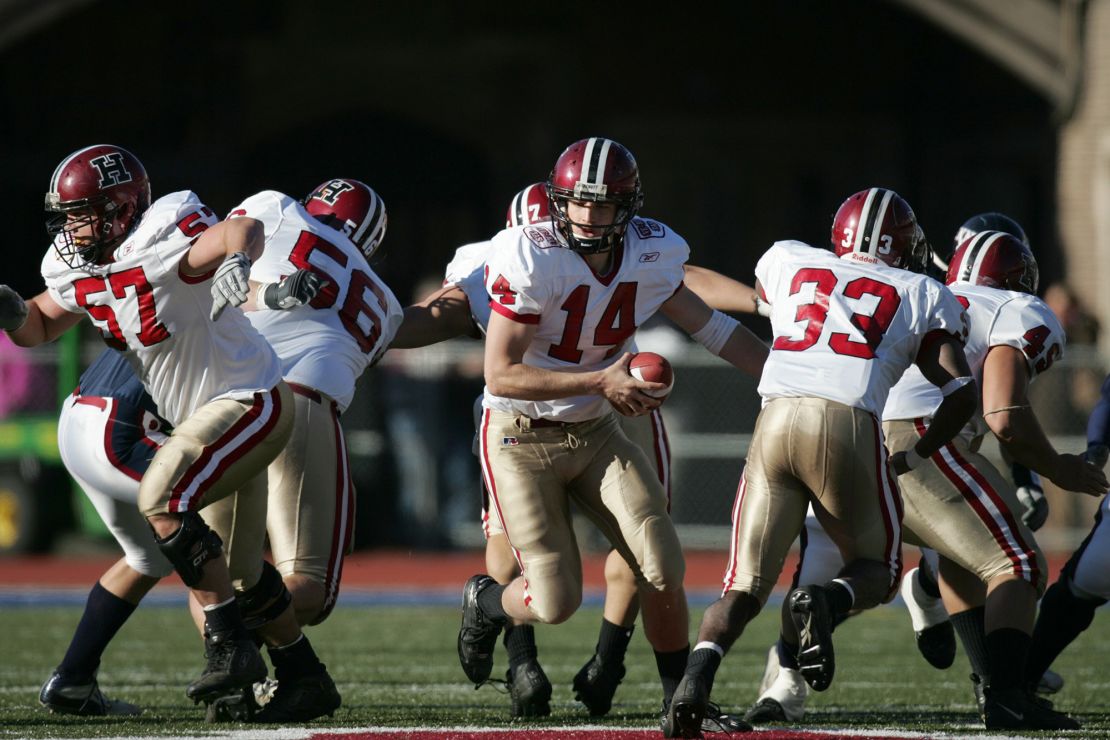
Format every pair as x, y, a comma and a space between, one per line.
311, 393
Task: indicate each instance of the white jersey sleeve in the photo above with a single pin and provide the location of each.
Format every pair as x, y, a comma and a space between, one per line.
584, 320
327, 344
467, 272
1028, 324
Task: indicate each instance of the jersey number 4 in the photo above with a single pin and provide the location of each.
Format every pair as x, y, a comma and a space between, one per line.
617, 323
872, 326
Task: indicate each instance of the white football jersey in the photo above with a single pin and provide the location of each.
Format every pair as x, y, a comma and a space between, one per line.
467, 271
997, 318
846, 328
143, 305
585, 321
329, 342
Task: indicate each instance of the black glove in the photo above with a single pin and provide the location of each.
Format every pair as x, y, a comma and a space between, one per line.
13, 309
293, 291
1097, 454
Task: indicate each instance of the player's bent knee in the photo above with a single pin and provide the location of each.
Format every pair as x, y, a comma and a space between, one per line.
555, 608
664, 566
309, 598
152, 567
1090, 583
190, 547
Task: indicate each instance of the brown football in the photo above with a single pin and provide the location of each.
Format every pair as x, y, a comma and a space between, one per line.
653, 368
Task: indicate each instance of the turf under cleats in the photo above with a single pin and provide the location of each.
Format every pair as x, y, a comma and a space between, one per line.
687, 708
478, 633
233, 663
936, 639
62, 696
529, 691
1015, 709
596, 684
809, 609
300, 699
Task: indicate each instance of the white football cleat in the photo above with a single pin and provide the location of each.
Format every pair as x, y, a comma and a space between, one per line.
783, 701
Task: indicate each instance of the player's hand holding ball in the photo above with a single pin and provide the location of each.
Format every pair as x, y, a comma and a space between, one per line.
652, 368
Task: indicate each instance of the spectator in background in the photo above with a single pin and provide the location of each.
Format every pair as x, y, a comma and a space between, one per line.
1080, 325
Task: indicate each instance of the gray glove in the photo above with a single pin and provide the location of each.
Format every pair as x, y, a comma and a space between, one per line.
1035, 506
13, 309
231, 283
293, 291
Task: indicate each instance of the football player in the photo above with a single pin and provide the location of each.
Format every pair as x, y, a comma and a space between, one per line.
1069, 604
110, 407
328, 317
462, 308
155, 278
846, 325
566, 300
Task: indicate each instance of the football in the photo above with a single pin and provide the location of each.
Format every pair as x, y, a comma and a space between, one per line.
653, 368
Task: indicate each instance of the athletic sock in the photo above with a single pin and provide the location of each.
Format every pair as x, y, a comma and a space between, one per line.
104, 614
970, 626
520, 642
295, 659
671, 667
927, 580
1062, 618
612, 642
489, 601
1007, 651
840, 599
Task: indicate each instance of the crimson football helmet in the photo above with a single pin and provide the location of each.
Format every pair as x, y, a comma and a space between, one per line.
880, 223
596, 170
995, 259
97, 195
352, 207
529, 206
988, 222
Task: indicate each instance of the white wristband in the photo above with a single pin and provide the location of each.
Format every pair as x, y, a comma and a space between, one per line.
913, 459
262, 301
955, 384
716, 332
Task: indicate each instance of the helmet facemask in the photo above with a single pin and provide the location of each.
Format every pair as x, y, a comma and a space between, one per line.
611, 234
82, 231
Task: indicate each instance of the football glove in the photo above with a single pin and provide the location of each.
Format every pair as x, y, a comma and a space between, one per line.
231, 283
292, 291
13, 309
1097, 454
1034, 505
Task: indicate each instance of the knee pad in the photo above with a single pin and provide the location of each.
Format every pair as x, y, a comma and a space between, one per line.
265, 601
190, 547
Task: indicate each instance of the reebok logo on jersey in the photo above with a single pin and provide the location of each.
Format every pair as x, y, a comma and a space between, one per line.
509, 441
649, 257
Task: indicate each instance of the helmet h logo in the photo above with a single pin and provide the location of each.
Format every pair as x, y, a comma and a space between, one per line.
330, 193
112, 170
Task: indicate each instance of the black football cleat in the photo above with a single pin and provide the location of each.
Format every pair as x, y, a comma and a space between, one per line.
1015, 709
529, 691
688, 707
300, 699
596, 684
478, 633
809, 608
233, 663
64, 696
717, 721
239, 705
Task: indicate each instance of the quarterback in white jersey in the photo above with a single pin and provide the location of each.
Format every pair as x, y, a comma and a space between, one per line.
846, 326
323, 346
566, 301
154, 278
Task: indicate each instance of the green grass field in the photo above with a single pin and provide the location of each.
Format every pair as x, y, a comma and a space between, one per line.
397, 667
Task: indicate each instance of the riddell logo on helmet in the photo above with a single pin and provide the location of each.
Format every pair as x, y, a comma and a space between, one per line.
330, 193
111, 169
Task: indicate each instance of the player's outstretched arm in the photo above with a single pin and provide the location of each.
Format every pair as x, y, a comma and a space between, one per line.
1007, 412
720, 291
943, 364
36, 321
718, 333
222, 240
443, 314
